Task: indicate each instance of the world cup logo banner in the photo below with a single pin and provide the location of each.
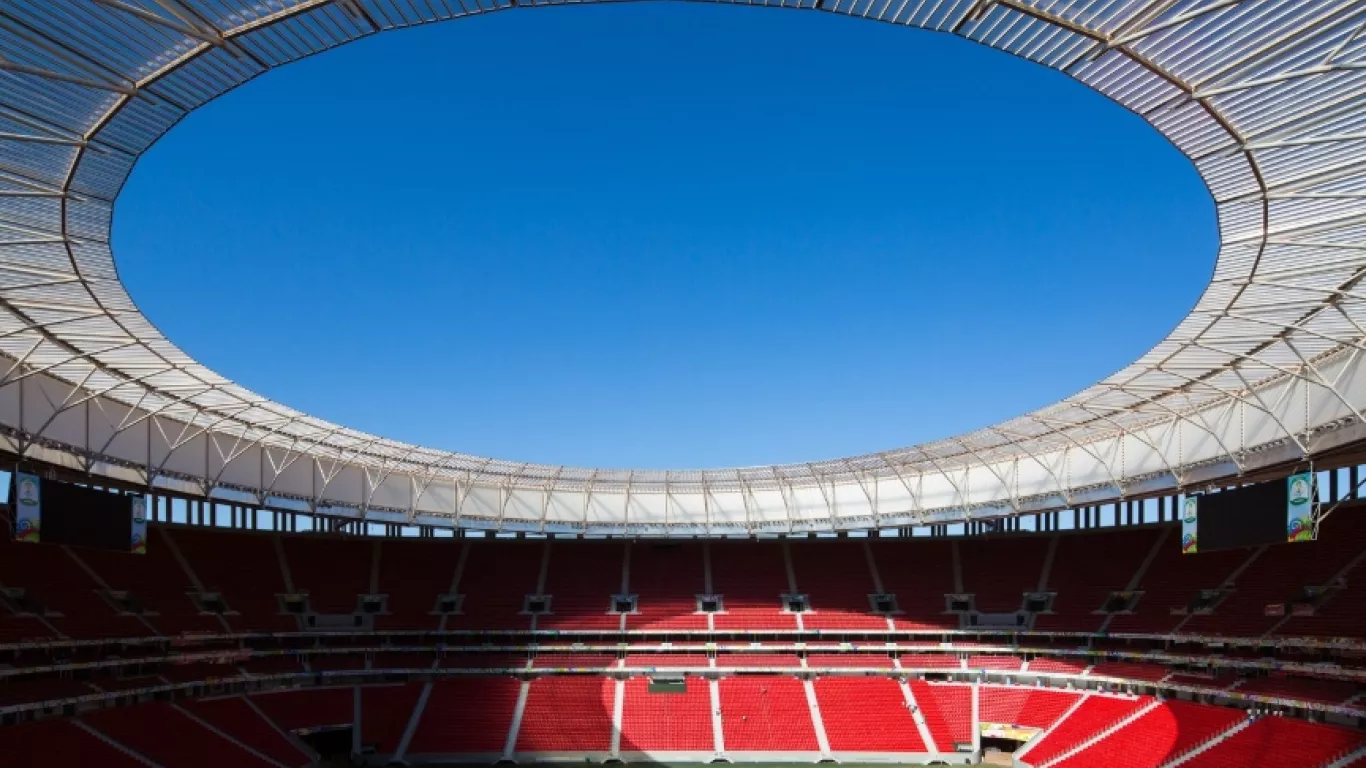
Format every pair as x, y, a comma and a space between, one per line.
28, 509
138, 545
1299, 507
1190, 540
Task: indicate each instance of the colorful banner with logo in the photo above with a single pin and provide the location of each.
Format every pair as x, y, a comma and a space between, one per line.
1002, 731
28, 507
1190, 514
138, 545
1299, 507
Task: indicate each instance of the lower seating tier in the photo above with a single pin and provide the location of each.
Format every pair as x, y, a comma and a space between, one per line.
1273, 742
171, 738
745, 718
1094, 715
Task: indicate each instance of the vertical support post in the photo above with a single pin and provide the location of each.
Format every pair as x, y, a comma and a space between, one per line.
718, 733
413, 720
518, 711
355, 720
618, 708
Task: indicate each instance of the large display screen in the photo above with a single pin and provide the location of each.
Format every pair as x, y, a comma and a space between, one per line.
1265, 513
52, 512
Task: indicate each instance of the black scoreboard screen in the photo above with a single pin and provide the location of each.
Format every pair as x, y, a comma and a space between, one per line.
1242, 517
1266, 513
53, 512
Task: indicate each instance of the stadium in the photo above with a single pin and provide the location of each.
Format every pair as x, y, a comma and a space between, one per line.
1165, 569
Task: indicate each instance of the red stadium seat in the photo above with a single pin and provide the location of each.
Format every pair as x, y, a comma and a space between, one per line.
60, 744
1096, 714
1278, 741
767, 714
570, 716
667, 722
234, 716
866, 716
170, 738
466, 716
567, 714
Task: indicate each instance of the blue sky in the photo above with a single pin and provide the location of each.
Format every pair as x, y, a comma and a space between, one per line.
664, 235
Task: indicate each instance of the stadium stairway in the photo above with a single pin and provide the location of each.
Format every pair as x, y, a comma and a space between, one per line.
1353, 759
65, 744
1271, 742
1134, 716
470, 718
1208, 745
1148, 740
817, 721
921, 726
1098, 714
384, 714
866, 716
1047, 733
948, 712
173, 738
236, 716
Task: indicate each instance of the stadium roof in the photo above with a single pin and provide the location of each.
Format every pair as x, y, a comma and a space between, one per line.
1266, 97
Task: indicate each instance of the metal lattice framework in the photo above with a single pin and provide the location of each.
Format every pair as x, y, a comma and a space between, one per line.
1266, 97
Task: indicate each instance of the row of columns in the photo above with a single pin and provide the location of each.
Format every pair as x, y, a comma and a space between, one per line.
1130, 512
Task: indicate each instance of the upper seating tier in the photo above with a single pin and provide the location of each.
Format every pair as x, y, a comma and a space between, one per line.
576, 581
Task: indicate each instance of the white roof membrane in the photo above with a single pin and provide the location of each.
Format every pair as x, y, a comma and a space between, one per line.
1266, 97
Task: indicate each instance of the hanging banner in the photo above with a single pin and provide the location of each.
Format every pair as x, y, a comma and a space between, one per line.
1299, 507
28, 507
138, 545
1190, 543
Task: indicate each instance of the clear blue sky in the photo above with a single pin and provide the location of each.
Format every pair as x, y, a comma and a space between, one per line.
664, 235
